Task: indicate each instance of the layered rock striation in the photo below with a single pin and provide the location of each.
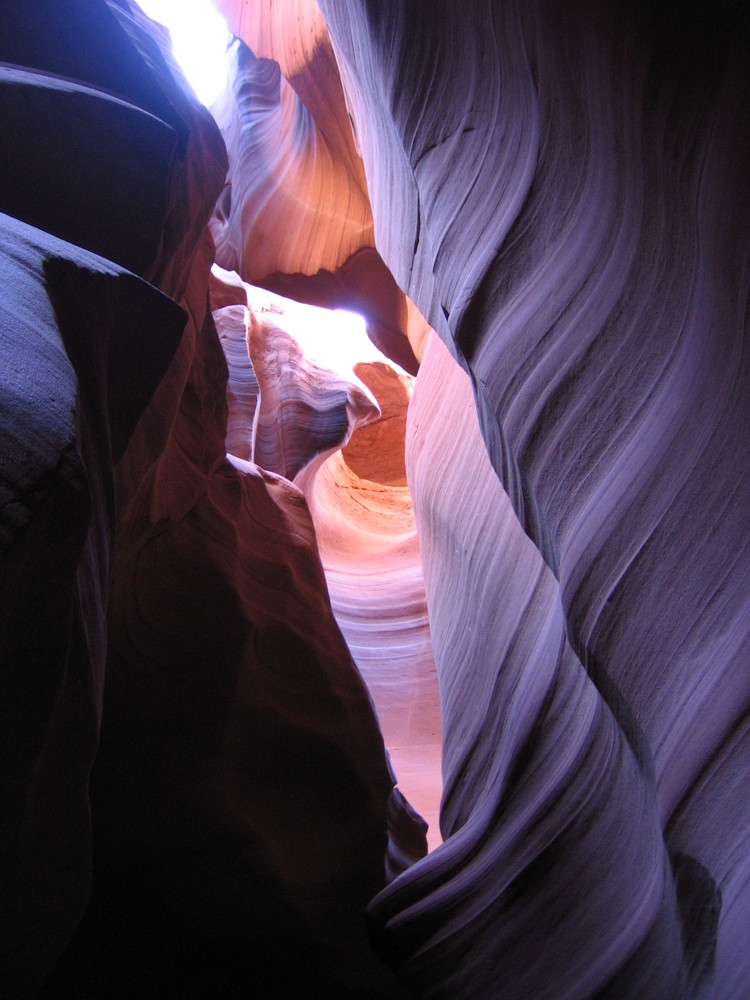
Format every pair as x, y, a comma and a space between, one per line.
337, 425
294, 215
172, 675
561, 193
197, 797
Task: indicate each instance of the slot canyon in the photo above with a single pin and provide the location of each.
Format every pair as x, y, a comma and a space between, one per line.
375, 503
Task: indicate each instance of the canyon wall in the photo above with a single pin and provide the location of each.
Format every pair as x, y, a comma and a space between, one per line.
329, 410
197, 799
196, 795
294, 215
561, 191
294, 218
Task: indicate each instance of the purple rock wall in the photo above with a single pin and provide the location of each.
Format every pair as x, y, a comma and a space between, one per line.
561, 189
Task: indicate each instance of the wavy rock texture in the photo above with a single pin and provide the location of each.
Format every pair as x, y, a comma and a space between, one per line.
364, 523
286, 409
306, 412
552, 838
561, 192
295, 213
291, 205
295, 37
297, 181
234, 709
240, 790
295, 218
242, 385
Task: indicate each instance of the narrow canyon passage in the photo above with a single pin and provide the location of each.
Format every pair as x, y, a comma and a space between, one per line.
292, 159
297, 374
367, 536
415, 669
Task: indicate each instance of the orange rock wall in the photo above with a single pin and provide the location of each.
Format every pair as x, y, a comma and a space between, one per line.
202, 711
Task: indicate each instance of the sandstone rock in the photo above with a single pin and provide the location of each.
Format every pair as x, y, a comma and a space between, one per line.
295, 215
564, 202
295, 36
84, 344
364, 523
364, 285
290, 204
240, 791
552, 833
305, 411
98, 150
559, 190
242, 385
361, 508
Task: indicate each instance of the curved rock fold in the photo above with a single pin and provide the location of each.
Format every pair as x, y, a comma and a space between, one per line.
256, 597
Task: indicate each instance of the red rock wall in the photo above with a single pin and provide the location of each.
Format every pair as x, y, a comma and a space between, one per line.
338, 426
295, 214
169, 631
292, 158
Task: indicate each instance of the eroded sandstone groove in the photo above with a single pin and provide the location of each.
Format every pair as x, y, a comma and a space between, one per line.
197, 799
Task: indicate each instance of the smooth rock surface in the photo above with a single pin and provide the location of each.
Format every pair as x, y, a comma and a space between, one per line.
343, 423
242, 385
564, 201
542, 789
294, 215
73, 324
366, 531
290, 204
238, 789
305, 411
560, 191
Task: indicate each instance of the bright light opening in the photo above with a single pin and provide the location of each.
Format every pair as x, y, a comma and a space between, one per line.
199, 42
335, 338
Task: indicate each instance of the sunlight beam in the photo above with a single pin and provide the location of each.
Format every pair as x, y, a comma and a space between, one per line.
199, 41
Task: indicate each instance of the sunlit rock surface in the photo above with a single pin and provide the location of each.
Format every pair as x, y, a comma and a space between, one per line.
240, 792
293, 37
542, 789
290, 205
295, 191
242, 385
564, 199
295, 214
314, 398
304, 410
364, 522
364, 285
560, 190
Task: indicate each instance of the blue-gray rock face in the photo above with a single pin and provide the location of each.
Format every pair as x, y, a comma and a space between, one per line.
561, 189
